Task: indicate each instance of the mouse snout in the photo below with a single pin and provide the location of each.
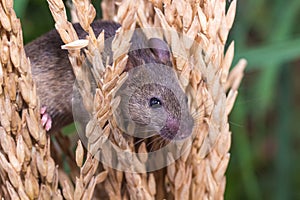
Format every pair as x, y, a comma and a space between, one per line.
172, 125
171, 128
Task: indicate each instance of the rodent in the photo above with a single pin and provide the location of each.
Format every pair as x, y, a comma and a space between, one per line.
54, 77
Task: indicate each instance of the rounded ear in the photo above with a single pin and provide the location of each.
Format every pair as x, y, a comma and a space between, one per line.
159, 49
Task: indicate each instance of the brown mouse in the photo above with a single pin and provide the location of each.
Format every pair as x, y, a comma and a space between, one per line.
54, 77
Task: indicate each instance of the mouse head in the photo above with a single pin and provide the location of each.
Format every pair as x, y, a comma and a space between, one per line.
152, 100
153, 103
155, 108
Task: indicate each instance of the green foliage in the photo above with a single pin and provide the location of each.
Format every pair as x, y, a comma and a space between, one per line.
35, 17
264, 121
264, 163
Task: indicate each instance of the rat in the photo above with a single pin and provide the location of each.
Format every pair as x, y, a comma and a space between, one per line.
54, 77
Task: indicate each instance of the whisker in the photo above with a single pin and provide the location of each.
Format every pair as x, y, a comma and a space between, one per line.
154, 140
139, 141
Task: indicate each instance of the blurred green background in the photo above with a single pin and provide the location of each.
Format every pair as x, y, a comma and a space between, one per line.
265, 141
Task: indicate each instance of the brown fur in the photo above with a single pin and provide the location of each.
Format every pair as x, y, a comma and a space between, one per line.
53, 74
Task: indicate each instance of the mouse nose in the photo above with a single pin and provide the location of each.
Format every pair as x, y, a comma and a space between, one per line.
171, 128
173, 125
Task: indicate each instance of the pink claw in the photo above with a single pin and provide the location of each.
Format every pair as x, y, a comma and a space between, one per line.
43, 109
46, 119
48, 124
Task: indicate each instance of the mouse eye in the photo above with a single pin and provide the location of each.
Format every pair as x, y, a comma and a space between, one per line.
186, 100
155, 102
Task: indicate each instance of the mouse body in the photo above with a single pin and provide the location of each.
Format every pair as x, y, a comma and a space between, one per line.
54, 77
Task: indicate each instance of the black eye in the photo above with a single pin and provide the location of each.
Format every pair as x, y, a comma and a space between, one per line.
154, 102
186, 99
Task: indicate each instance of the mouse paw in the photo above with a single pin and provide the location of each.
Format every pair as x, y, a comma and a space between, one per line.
46, 119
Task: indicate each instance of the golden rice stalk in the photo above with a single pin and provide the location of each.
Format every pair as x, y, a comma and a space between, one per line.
86, 183
27, 169
88, 177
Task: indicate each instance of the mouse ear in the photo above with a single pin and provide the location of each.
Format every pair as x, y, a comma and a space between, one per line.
160, 49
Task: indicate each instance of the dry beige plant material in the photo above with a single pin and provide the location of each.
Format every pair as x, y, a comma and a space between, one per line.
107, 78
27, 170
